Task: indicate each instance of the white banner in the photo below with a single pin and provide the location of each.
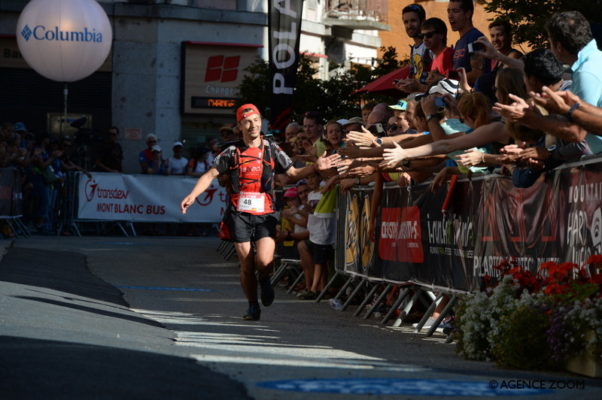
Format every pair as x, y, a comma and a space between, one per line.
146, 198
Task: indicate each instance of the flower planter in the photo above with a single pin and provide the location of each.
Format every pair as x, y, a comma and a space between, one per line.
586, 363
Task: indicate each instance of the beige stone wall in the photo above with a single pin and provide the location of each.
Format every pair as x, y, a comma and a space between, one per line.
397, 37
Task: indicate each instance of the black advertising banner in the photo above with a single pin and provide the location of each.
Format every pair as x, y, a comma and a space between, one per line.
580, 206
284, 20
516, 223
419, 242
449, 236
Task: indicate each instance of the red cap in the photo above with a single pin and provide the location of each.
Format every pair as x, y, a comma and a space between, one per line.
246, 110
291, 193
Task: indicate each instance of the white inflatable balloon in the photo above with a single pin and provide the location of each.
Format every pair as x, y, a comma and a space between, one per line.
64, 40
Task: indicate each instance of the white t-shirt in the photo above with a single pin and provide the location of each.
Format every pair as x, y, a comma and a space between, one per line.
177, 166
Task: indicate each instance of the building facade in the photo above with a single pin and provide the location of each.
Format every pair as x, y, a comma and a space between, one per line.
175, 65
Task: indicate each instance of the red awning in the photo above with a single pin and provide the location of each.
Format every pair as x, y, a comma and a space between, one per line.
384, 84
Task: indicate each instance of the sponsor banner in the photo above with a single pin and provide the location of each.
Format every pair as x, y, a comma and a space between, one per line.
516, 223
359, 247
417, 241
284, 21
580, 204
146, 198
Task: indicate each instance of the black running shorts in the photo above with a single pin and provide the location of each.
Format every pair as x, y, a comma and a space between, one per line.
245, 227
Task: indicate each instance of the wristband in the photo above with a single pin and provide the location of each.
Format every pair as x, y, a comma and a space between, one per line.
569, 113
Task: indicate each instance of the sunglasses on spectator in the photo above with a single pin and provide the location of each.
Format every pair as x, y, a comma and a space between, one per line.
428, 35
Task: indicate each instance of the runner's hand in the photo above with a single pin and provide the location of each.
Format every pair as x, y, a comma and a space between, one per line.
323, 162
187, 202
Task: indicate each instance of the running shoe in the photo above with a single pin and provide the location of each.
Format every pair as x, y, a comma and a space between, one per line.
253, 313
267, 292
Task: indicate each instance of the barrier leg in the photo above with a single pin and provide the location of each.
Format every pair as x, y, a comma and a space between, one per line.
328, 285
222, 247
132, 229
443, 314
343, 288
378, 300
407, 308
279, 274
402, 294
76, 229
292, 286
428, 313
121, 227
359, 286
366, 300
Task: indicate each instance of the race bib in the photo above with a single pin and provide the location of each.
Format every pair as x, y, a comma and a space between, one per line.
251, 202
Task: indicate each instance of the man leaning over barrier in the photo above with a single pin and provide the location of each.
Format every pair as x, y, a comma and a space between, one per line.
251, 164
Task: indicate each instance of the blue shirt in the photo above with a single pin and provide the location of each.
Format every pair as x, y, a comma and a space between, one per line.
587, 84
461, 54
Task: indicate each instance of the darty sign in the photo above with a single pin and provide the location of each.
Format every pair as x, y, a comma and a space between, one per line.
64, 40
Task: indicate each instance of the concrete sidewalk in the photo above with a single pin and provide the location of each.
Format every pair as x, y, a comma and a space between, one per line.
67, 334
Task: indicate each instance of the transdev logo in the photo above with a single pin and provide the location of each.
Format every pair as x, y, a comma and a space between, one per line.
90, 189
40, 32
93, 189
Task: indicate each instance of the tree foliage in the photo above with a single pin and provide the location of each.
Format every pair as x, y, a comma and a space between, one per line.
334, 98
529, 17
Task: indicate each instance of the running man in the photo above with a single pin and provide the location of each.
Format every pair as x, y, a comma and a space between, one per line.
251, 165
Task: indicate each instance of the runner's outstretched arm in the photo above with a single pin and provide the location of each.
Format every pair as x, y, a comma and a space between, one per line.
201, 185
323, 163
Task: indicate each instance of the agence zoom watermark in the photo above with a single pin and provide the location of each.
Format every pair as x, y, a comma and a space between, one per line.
550, 384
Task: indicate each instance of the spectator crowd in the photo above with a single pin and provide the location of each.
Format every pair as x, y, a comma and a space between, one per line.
479, 107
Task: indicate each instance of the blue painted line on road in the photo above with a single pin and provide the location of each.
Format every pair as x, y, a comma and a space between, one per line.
416, 387
174, 289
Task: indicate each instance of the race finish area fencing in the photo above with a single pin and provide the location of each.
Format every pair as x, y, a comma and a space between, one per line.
423, 247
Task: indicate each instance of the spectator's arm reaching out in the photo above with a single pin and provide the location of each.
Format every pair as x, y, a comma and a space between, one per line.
492, 132
556, 125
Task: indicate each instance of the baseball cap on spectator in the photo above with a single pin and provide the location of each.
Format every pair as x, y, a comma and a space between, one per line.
246, 110
156, 148
302, 182
290, 193
151, 136
354, 120
20, 126
176, 144
401, 105
446, 86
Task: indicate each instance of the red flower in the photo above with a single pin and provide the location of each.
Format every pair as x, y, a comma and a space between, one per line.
594, 259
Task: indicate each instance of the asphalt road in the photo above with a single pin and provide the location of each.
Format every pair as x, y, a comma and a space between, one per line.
157, 318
